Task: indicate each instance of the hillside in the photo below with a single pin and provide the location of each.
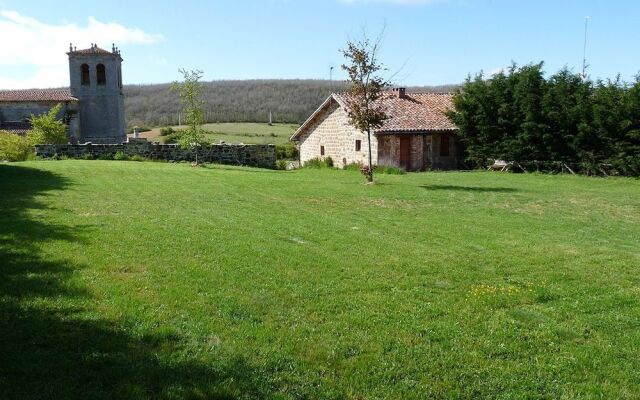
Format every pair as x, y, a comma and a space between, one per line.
289, 101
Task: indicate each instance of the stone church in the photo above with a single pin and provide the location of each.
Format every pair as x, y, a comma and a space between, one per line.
92, 106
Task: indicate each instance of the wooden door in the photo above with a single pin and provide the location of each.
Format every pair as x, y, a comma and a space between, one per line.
405, 153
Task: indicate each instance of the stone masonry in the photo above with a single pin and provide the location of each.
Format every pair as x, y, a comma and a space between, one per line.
333, 131
254, 155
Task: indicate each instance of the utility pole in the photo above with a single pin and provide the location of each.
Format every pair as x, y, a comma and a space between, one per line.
584, 50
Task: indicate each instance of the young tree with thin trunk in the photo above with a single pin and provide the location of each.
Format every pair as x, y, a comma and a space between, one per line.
190, 92
367, 88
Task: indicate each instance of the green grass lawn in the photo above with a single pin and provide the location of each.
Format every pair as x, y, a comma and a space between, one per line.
242, 132
150, 280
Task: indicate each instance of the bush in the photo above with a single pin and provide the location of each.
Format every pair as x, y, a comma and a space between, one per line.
286, 152
47, 128
105, 156
170, 139
120, 156
137, 157
326, 162
14, 147
167, 130
87, 156
281, 164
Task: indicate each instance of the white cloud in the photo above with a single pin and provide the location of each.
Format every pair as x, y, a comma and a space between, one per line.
43, 47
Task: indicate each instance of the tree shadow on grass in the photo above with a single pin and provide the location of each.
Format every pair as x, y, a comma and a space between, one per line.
55, 344
469, 188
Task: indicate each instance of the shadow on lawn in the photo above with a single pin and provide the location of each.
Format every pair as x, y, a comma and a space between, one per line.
469, 188
52, 345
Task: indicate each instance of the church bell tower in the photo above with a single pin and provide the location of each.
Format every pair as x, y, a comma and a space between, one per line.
96, 81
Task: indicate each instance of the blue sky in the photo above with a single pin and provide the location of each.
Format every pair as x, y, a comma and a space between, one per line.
427, 42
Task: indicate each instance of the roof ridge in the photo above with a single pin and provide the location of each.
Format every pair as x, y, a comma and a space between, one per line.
391, 92
35, 94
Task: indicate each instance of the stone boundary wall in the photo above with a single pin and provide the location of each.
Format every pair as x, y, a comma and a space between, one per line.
254, 155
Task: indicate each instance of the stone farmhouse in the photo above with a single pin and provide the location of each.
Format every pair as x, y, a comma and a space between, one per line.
93, 105
416, 136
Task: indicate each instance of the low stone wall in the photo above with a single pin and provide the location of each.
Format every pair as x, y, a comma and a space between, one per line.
254, 155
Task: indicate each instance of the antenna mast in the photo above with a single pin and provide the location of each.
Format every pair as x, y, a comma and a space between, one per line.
584, 50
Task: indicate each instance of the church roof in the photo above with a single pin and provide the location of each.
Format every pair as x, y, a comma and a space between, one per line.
93, 50
30, 95
412, 113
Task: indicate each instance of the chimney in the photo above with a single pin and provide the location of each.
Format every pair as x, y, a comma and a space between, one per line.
401, 92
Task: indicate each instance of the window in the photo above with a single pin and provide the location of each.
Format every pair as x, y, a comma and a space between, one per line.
321, 150
358, 145
444, 145
101, 74
84, 75
119, 78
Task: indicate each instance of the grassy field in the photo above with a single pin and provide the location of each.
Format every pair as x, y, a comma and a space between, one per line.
150, 280
241, 132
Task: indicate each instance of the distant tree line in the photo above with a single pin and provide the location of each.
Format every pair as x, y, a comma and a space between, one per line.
546, 123
288, 101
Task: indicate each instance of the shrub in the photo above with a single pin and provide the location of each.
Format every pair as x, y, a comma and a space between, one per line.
286, 152
314, 163
47, 128
105, 156
137, 157
87, 156
326, 162
170, 139
120, 156
281, 164
14, 147
167, 130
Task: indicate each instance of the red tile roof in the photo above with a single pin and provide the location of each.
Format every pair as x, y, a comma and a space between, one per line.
52, 95
416, 112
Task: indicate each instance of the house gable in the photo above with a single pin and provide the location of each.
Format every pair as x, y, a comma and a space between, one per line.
329, 130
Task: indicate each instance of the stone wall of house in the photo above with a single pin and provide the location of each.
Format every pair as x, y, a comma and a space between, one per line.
255, 155
333, 131
21, 111
437, 161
